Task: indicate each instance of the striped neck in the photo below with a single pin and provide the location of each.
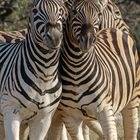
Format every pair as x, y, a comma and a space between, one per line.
42, 61
76, 63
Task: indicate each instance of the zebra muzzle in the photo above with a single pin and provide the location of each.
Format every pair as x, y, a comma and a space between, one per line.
53, 38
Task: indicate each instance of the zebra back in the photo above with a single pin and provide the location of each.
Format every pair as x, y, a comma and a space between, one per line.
14, 36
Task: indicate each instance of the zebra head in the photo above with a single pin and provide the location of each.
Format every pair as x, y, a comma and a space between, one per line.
116, 17
113, 8
46, 20
84, 22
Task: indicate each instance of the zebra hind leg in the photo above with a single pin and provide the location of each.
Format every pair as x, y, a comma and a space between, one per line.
57, 129
24, 132
74, 127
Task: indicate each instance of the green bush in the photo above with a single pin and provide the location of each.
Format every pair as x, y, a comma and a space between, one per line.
13, 14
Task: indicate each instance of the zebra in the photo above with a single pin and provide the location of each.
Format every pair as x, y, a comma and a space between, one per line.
30, 86
99, 73
112, 17
16, 36
109, 17
115, 18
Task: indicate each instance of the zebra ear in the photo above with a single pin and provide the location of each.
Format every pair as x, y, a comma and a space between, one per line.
68, 4
65, 10
34, 2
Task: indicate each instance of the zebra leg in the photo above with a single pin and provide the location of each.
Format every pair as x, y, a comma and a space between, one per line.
85, 131
2, 133
74, 127
130, 122
64, 135
95, 126
12, 124
24, 131
107, 121
39, 126
57, 129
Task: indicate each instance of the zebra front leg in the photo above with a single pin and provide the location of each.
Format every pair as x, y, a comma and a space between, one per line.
107, 121
130, 122
74, 127
12, 124
39, 126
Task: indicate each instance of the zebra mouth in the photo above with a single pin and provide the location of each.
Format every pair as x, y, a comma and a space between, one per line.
52, 44
87, 44
53, 41
84, 49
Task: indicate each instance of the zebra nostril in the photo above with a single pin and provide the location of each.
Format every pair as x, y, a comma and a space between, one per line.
94, 39
48, 36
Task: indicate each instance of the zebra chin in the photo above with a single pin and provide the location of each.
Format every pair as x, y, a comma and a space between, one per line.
84, 50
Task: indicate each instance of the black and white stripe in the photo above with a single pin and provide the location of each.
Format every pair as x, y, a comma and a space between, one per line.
99, 72
112, 17
109, 16
30, 88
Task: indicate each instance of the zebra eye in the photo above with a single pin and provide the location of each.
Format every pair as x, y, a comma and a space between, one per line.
74, 12
35, 11
99, 15
63, 20
118, 14
82, 38
47, 27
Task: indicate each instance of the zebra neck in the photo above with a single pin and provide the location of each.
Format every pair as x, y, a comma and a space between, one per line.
76, 63
43, 62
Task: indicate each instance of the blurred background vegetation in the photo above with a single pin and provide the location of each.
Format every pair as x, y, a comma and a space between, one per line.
14, 13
